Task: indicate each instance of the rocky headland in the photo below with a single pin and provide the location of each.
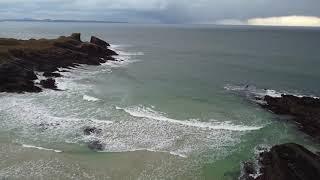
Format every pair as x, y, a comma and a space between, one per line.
289, 161
305, 112
284, 162
22, 60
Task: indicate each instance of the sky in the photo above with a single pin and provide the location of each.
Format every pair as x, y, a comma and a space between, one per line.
252, 12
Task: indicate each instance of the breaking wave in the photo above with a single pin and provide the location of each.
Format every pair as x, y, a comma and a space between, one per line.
40, 148
252, 91
146, 112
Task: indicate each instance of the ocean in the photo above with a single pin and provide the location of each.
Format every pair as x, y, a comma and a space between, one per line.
180, 104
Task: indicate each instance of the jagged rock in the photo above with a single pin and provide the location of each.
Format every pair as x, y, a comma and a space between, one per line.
249, 171
16, 78
51, 74
48, 83
96, 145
19, 59
288, 162
304, 110
99, 42
76, 36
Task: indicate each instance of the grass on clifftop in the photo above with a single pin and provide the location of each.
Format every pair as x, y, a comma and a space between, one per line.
7, 44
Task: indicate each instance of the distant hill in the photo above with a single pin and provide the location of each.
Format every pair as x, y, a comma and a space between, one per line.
57, 20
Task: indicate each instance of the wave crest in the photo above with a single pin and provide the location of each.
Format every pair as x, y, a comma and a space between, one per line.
146, 112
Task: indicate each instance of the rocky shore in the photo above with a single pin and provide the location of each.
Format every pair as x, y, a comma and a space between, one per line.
305, 112
284, 162
289, 161
22, 60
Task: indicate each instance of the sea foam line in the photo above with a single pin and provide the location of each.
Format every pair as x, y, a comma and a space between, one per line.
145, 112
40, 148
152, 150
263, 92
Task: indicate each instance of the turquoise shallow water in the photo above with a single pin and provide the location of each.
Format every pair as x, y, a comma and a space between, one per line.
175, 108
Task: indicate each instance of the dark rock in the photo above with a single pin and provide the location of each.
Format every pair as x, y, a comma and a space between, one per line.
304, 110
91, 130
48, 83
289, 162
76, 36
96, 145
19, 59
51, 74
249, 171
99, 42
16, 78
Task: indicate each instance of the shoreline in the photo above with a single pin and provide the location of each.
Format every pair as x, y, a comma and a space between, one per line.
21, 59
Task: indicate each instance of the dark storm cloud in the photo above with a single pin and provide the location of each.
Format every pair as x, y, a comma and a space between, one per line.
166, 11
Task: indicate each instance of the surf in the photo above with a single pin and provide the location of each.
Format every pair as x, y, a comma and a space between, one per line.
146, 112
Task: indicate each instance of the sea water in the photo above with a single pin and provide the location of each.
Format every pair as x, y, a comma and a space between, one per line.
179, 104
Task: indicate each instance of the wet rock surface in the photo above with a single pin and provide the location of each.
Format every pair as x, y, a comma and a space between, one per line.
48, 83
96, 146
19, 59
51, 74
288, 161
285, 162
305, 111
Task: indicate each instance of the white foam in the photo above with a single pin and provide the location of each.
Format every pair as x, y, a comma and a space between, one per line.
124, 53
153, 150
90, 98
124, 57
254, 91
145, 112
122, 61
40, 148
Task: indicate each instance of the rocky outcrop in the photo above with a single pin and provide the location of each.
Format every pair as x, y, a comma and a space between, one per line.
305, 111
48, 83
285, 162
16, 78
289, 161
51, 74
99, 42
20, 59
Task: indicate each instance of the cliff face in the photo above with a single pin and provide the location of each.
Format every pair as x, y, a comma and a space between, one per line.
285, 162
20, 59
304, 110
289, 161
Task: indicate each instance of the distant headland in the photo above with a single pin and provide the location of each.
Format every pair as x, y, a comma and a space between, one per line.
58, 20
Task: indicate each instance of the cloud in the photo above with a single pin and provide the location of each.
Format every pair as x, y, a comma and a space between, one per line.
164, 11
229, 22
306, 21
286, 21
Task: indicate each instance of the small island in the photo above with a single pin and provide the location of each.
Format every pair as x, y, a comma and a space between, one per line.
22, 60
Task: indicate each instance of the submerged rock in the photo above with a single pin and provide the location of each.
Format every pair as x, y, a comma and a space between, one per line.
286, 162
91, 130
96, 145
304, 110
